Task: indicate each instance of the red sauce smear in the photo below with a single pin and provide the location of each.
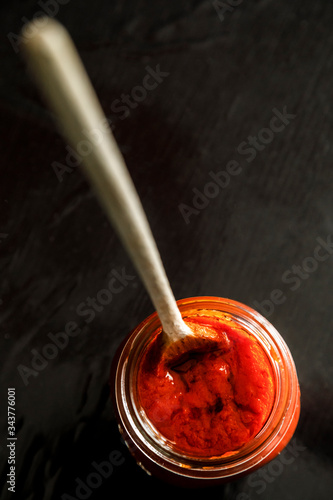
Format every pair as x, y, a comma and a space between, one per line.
213, 402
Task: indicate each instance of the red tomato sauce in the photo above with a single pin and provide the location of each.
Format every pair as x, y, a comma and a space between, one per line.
213, 402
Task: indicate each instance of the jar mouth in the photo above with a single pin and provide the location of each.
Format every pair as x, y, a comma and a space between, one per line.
149, 439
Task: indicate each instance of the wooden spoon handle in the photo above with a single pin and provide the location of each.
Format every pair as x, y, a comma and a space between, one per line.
57, 68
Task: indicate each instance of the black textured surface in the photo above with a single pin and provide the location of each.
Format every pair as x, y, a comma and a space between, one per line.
222, 80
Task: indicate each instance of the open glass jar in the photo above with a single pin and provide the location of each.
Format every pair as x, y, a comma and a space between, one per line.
153, 452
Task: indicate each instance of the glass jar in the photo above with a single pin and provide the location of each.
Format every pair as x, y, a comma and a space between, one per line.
153, 452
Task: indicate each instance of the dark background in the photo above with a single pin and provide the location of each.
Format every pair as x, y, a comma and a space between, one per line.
57, 247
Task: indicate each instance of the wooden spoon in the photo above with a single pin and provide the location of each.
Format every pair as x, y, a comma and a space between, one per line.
58, 70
